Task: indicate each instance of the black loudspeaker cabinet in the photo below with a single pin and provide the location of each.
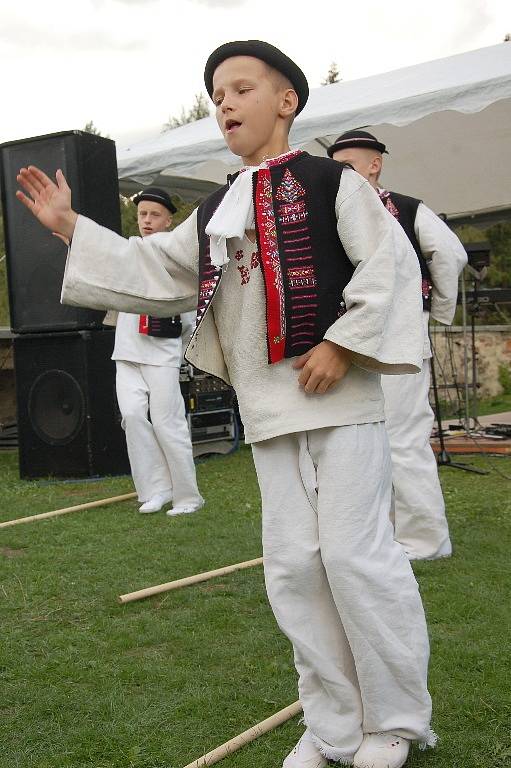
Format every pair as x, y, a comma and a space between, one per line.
36, 258
69, 424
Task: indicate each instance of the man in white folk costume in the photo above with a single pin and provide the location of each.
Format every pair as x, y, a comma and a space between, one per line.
295, 265
418, 512
148, 353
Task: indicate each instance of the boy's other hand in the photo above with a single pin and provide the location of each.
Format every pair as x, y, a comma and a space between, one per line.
50, 202
322, 367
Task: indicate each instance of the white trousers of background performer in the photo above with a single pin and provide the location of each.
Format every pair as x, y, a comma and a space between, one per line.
160, 450
341, 588
420, 524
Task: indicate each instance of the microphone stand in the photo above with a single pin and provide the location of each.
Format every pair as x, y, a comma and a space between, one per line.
443, 458
477, 276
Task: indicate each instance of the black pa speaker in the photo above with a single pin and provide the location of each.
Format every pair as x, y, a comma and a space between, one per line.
69, 424
35, 257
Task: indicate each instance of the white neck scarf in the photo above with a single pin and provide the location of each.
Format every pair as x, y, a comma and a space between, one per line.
234, 215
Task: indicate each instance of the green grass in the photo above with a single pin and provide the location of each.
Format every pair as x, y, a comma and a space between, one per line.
496, 404
485, 407
88, 683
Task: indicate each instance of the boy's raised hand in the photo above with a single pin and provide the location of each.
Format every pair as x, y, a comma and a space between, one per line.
50, 202
322, 367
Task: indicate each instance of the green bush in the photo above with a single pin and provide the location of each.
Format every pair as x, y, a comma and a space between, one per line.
505, 379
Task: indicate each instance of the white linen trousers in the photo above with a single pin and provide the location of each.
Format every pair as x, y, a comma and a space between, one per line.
420, 524
341, 588
160, 450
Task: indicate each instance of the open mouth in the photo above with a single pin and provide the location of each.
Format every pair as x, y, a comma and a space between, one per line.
231, 125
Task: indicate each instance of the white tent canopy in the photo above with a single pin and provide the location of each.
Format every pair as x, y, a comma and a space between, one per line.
446, 123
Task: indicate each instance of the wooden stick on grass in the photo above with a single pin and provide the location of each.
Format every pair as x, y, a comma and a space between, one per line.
247, 736
187, 581
76, 508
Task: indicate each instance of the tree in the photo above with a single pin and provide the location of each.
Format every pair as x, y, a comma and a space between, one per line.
199, 110
333, 75
499, 273
91, 128
129, 226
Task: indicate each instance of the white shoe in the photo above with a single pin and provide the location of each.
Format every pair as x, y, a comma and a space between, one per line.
305, 755
185, 509
155, 503
381, 750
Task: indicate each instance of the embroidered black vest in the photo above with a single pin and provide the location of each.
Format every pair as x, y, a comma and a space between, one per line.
304, 264
404, 209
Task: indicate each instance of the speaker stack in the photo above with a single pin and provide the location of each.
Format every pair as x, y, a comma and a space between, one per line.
68, 420
210, 411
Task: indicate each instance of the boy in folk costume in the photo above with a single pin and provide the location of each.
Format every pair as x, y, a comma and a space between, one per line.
148, 354
308, 290
419, 517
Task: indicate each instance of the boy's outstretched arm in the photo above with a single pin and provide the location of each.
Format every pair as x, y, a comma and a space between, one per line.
49, 201
155, 275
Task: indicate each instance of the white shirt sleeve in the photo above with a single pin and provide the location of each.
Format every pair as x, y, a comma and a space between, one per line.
445, 256
383, 322
155, 275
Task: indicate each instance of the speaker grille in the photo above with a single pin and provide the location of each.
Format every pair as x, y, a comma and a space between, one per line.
56, 407
35, 258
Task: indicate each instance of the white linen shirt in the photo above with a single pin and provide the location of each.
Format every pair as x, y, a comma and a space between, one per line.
382, 325
445, 257
135, 347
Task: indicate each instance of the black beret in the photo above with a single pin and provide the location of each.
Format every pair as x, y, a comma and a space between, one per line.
265, 52
155, 195
356, 139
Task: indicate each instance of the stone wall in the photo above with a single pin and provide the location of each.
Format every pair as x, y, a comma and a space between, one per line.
493, 349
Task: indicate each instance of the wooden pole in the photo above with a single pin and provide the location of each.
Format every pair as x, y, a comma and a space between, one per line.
76, 508
247, 736
187, 581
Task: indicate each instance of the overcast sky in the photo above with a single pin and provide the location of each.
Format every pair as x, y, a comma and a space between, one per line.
130, 64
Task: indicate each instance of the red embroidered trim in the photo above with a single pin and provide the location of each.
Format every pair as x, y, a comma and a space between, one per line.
269, 251
292, 213
143, 324
301, 277
289, 189
389, 205
300, 272
207, 287
284, 158
255, 260
245, 270
245, 273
